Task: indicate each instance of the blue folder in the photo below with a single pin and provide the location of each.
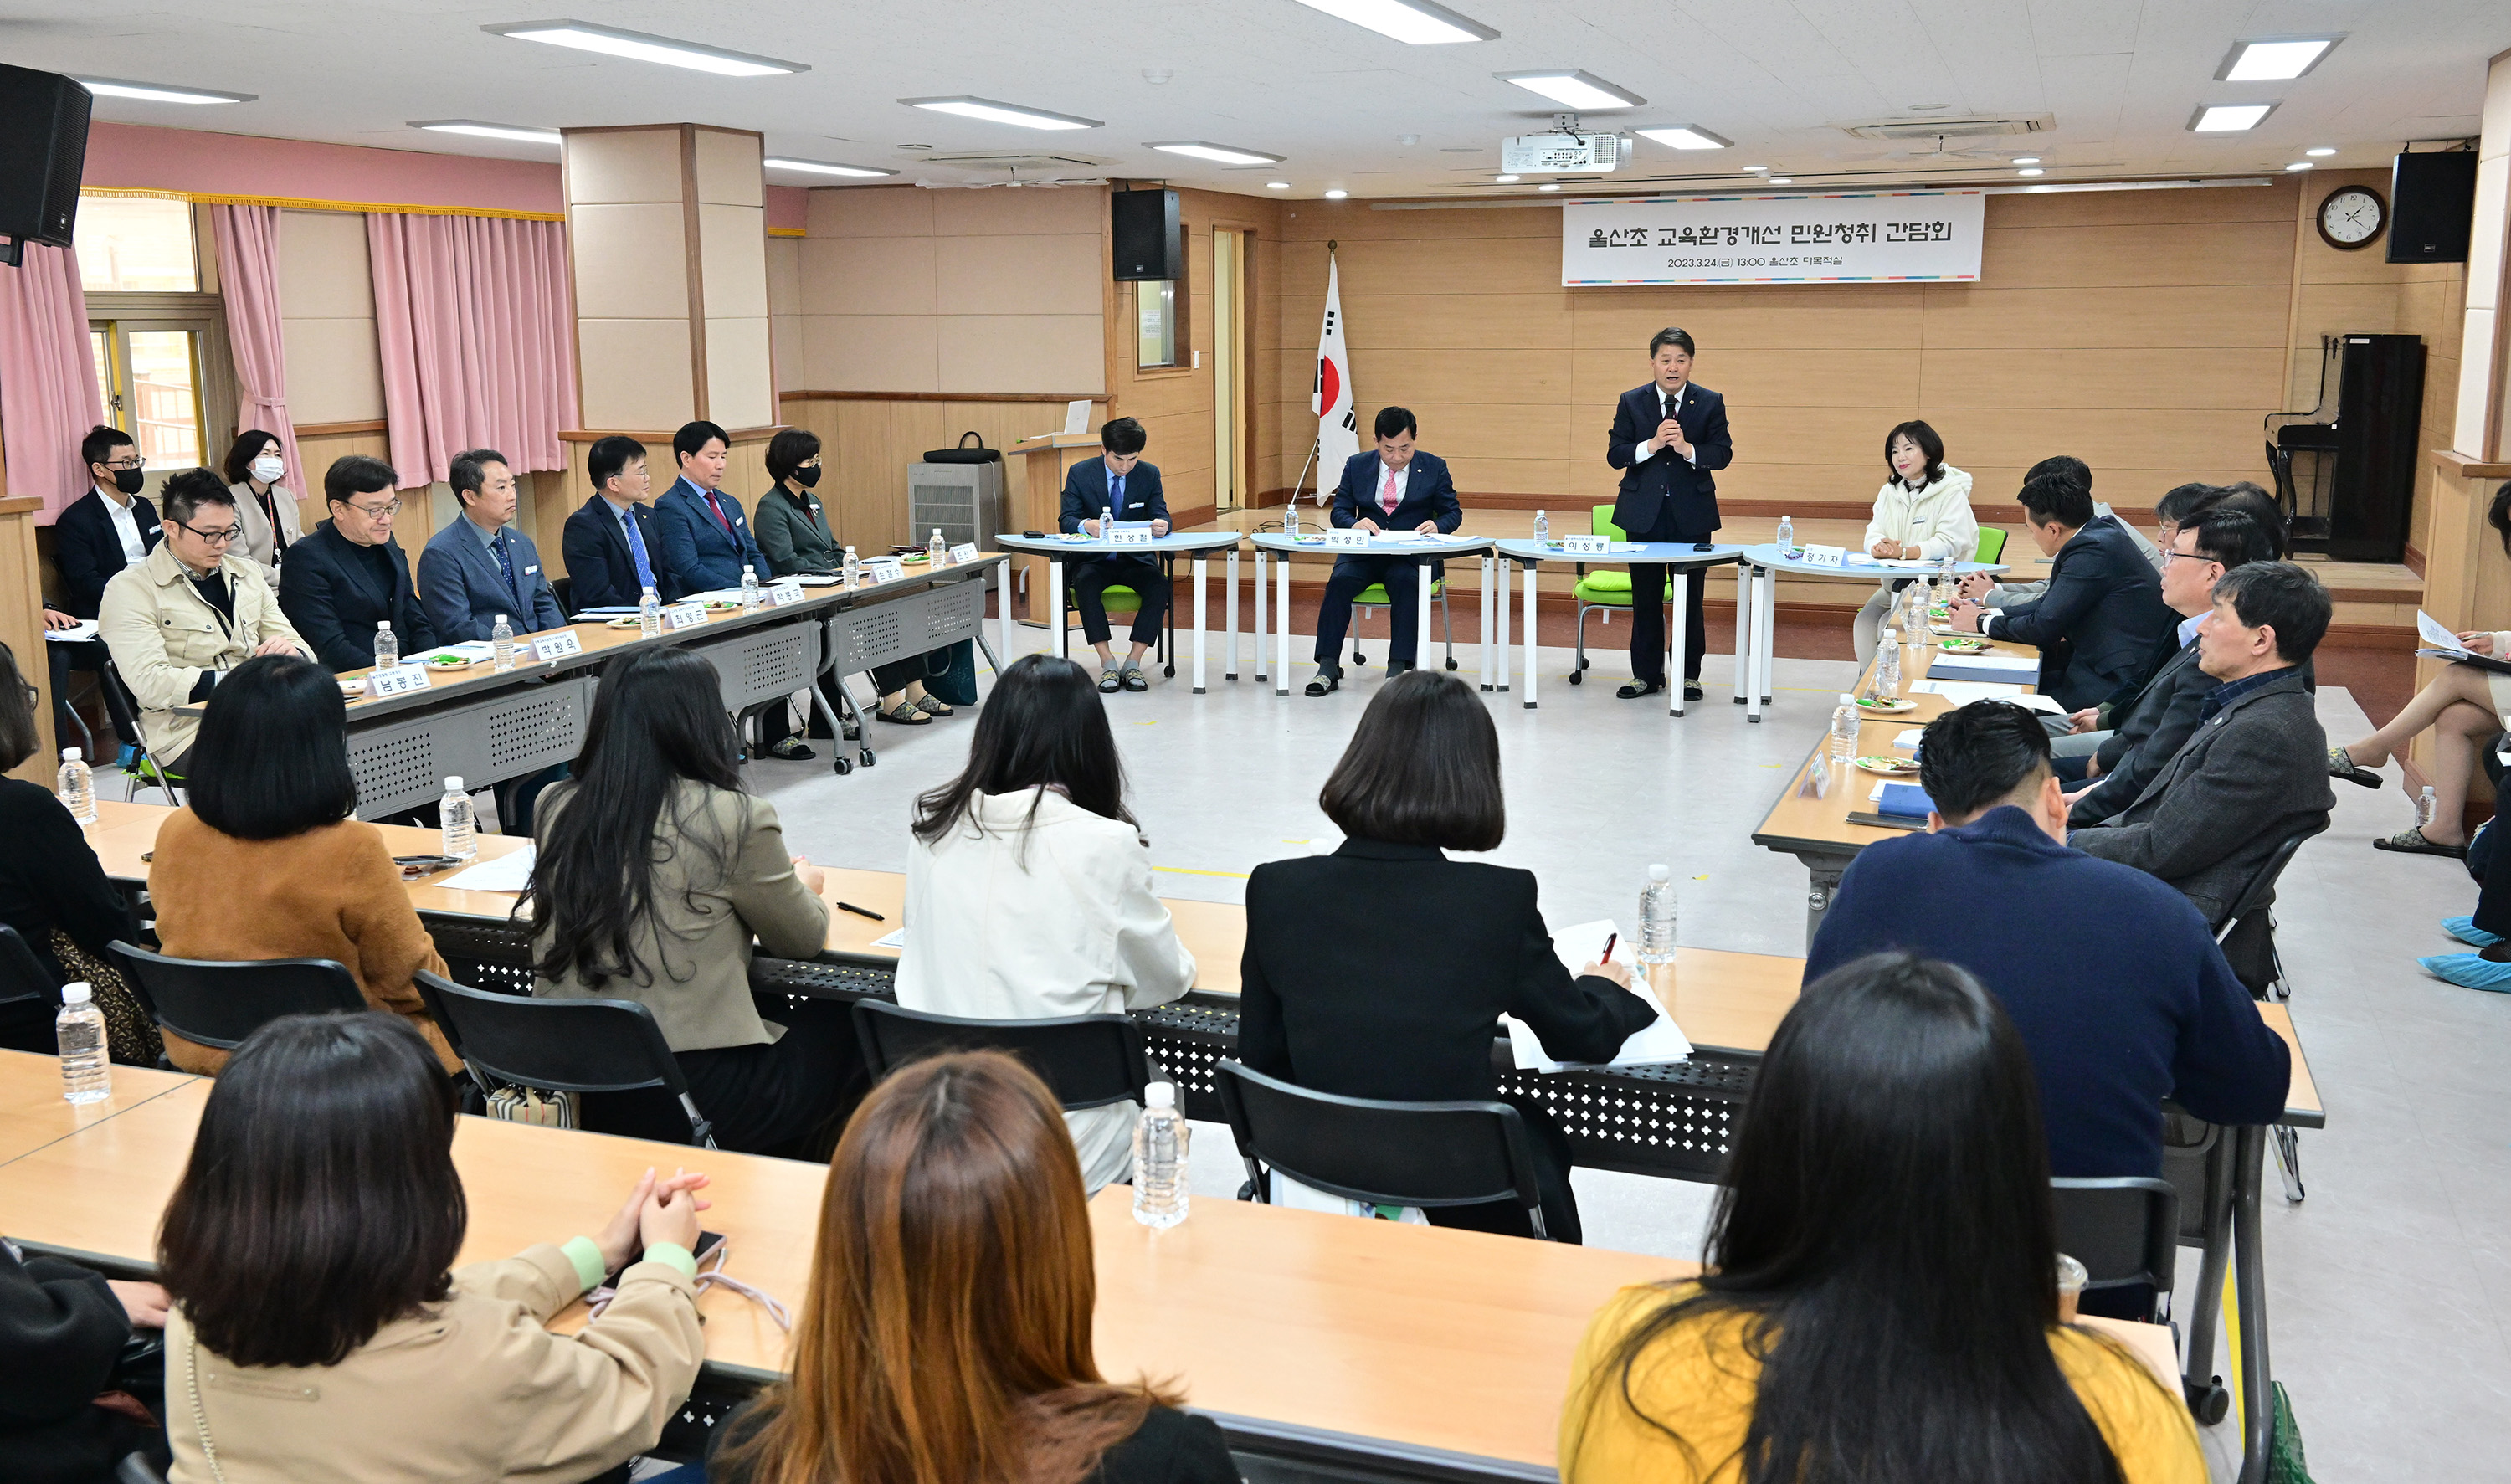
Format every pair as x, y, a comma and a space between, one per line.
1906, 800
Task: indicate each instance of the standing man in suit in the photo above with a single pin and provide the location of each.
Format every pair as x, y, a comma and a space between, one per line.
2256, 773
706, 537
611, 544
349, 576
1119, 481
1393, 488
1668, 437
479, 567
107, 528
2102, 614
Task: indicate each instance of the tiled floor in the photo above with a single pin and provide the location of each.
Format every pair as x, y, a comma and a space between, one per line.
2390, 1286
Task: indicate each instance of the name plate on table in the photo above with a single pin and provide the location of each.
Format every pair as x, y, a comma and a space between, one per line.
684, 615
884, 569
1122, 538
1351, 540
556, 646
784, 593
1586, 546
1824, 556
400, 679
966, 550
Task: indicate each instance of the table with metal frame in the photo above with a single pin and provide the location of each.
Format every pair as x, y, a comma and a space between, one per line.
1198, 544
1756, 617
1427, 551
1684, 556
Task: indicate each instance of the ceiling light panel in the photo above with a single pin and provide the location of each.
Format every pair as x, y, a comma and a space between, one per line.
1414, 23
159, 93
2229, 118
2274, 58
1685, 137
1222, 154
824, 167
992, 112
637, 46
1574, 90
521, 134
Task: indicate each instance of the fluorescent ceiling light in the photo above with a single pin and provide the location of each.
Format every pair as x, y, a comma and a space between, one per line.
1781, 180
1549, 185
1757, 169
823, 167
2033, 170
1226, 154
2027, 159
1685, 136
1336, 195
1506, 180
2229, 118
1000, 113
2274, 58
636, 46
1415, 23
158, 93
1277, 185
2300, 165
2320, 153
1573, 90
519, 132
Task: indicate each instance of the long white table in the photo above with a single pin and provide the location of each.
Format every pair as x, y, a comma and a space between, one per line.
1426, 550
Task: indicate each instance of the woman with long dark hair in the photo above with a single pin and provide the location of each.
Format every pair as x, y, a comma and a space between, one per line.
653, 892
1028, 884
320, 1328
946, 1336
1880, 1300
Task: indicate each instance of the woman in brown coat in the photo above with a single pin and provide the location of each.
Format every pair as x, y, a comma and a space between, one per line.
267, 862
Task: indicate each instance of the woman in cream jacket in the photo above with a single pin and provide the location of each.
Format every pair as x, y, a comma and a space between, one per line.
1028, 887
1922, 511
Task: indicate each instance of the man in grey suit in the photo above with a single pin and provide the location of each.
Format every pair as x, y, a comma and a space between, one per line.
480, 567
2256, 772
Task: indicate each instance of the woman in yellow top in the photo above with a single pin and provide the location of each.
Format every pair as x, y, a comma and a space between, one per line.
1880, 1306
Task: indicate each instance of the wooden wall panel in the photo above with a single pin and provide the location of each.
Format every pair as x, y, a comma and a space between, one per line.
866, 443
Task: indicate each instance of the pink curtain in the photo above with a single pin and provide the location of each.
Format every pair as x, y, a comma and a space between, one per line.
477, 337
248, 281
47, 389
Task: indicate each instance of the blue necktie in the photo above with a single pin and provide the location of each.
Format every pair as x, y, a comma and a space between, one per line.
1116, 495
506, 565
636, 549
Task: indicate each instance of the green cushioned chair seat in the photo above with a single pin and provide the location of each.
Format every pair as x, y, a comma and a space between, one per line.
1991, 544
1116, 598
1375, 596
1611, 589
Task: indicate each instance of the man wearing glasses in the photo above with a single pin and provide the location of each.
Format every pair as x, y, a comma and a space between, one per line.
187, 614
347, 577
105, 530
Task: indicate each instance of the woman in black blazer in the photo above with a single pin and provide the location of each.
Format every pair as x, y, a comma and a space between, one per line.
1381, 970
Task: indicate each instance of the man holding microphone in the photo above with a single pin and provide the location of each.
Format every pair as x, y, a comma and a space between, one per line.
1667, 437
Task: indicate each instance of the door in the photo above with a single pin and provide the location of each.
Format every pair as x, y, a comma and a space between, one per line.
1230, 487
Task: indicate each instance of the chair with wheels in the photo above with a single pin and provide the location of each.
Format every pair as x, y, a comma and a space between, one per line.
142, 768
1600, 592
2125, 1231
28, 997
1087, 1061
218, 1004
1427, 1154
607, 1052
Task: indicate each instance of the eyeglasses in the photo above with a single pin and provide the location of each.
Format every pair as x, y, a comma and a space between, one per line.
134, 461
2186, 556
218, 537
374, 512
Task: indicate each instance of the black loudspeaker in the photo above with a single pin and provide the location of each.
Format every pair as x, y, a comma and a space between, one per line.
1150, 245
43, 117
2432, 204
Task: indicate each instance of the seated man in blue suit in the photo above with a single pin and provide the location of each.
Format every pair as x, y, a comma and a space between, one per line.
613, 548
1117, 481
706, 537
1392, 489
478, 567
347, 577
2102, 615
1666, 439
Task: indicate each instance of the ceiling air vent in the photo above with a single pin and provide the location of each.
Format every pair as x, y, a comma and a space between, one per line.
1972, 126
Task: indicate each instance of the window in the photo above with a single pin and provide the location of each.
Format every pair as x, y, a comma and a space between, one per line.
159, 342
150, 374
137, 245
1155, 322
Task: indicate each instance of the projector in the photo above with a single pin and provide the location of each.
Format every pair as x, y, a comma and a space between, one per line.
1562, 154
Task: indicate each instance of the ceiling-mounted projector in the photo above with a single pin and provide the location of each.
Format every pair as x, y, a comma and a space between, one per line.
1562, 154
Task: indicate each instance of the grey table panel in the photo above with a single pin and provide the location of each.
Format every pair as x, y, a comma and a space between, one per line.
758, 665
401, 762
904, 627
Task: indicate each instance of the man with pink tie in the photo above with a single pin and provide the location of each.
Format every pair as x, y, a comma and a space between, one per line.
1394, 489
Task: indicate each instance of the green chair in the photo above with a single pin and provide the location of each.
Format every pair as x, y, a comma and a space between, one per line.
1375, 596
143, 768
1991, 544
1600, 592
1122, 601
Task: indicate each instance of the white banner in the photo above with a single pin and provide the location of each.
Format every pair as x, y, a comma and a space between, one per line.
1882, 237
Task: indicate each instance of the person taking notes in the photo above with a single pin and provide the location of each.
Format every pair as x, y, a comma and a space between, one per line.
1117, 482
1394, 489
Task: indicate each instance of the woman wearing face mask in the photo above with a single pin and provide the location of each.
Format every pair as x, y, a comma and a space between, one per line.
265, 508
792, 531
1922, 512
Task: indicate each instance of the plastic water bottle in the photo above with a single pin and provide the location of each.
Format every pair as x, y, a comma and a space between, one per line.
1887, 665
1290, 519
1916, 629
387, 647
501, 642
751, 601
1107, 523
461, 835
1159, 1158
78, 787
936, 552
1542, 528
1843, 731
853, 569
649, 614
87, 1071
1787, 533
2425, 807
1656, 917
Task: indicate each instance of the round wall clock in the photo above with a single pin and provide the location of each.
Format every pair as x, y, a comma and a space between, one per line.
2351, 217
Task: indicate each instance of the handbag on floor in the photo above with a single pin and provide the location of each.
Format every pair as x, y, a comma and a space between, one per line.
951, 674
2285, 1463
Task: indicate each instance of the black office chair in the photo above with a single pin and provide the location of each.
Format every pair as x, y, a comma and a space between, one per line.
28, 997
2253, 901
218, 1005
563, 589
609, 1052
2124, 1231
1427, 1154
1087, 1061
144, 767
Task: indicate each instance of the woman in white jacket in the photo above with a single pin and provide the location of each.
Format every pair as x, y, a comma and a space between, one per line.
1028, 885
1922, 511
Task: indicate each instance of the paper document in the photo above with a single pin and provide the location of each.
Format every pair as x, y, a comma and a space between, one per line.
1909, 739
896, 939
1076, 416
819, 579
507, 873
1403, 539
1963, 692
1912, 564
2433, 632
1577, 947
78, 633
1984, 663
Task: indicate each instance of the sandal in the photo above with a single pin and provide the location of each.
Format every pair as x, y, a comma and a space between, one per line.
2342, 764
905, 716
932, 706
2411, 841
1111, 680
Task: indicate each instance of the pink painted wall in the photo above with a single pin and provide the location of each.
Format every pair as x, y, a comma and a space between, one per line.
138, 157
787, 206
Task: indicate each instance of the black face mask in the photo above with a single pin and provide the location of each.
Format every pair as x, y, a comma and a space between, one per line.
129, 481
808, 476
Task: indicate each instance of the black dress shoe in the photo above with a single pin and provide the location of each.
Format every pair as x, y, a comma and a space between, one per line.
1326, 682
1637, 688
1691, 691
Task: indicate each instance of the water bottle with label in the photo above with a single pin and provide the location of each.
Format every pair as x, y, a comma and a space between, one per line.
387, 647
461, 832
77, 786
1656, 919
1542, 528
750, 600
936, 552
501, 642
1845, 722
1914, 628
87, 1069
1107, 523
1787, 538
2426, 808
1160, 1141
1290, 519
853, 570
1887, 666
649, 614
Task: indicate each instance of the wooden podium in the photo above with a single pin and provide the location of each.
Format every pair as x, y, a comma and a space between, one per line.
1048, 455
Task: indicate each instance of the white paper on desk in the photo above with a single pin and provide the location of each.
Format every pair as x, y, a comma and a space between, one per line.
817, 580
1909, 739
1076, 416
78, 633
1576, 947
1986, 664
1912, 564
1963, 692
1403, 539
895, 938
507, 873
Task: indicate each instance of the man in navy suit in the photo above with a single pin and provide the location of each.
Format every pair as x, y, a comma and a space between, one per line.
107, 528
1392, 489
706, 537
478, 567
1117, 481
347, 575
613, 550
1667, 437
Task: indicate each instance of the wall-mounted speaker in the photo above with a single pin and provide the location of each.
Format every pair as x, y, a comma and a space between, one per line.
43, 115
2432, 205
1149, 242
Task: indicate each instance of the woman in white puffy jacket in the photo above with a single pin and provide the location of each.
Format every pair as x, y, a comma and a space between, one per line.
1922, 511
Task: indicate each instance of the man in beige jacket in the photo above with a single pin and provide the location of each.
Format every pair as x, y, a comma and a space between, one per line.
193, 610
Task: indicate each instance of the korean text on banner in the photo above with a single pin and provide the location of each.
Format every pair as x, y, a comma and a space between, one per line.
1886, 237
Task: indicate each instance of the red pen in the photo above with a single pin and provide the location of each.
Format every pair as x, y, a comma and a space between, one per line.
1608, 948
